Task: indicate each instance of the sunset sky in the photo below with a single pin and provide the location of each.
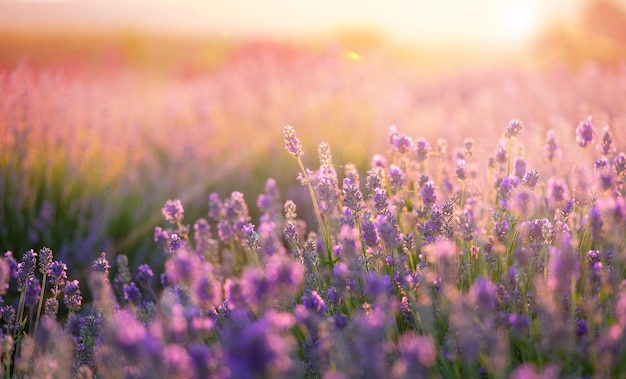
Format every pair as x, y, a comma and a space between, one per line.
488, 23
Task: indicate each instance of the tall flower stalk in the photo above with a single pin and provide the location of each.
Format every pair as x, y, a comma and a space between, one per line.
294, 148
45, 261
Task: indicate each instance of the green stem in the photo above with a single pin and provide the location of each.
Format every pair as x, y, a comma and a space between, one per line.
20, 313
462, 196
69, 320
43, 290
325, 234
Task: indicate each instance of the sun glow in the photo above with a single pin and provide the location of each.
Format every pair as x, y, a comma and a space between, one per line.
520, 22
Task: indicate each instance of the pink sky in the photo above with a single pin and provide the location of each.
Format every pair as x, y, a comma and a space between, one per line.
491, 23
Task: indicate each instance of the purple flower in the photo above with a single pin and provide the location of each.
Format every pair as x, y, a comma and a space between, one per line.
531, 178
173, 211
235, 208
381, 202
207, 291
443, 254
291, 233
128, 334
519, 323
5, 276
132, 293
203, 359
351, 172
620, 164
177, 361
600, 164
8, 256
605, 147
377, 287
265, 202
528, 371
165, 282
581, 328
290, 210
349, 240
501, 154
417, 349
270, 242
520, 167
283, 273
374, 180
422, 148
613, 207
225, 231
352, 197
563, 267
538, 233
183, 267
51, 307
292, 143
123, 274
327, 189
26, 269
388, 229
261, 348
379, 161
467, 223
57, 274
33, 290
557, 190
505, 189
45, 260
161, 237
314, 302
513, 129
101, 265
144, 275
251, 237
501, 229
396, 178
215, 207
368, 231
176, 243
432, 227
585, 133
460, 169
399, 142
71, 296
483, 293
550, 150
202, 236
595, 222
428, 193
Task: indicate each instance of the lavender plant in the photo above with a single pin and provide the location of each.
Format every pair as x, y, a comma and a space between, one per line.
423, 270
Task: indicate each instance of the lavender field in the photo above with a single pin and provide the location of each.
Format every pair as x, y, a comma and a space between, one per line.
312, 212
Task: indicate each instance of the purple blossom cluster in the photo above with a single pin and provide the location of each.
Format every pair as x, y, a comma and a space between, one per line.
426, 269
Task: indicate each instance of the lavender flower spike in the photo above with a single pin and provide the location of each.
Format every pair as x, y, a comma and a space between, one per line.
292, 143
72, 296
45, 260
26, 269
585, 133
173, 211
513, 129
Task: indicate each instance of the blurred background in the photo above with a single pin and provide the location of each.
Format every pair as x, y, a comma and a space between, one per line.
109, 108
